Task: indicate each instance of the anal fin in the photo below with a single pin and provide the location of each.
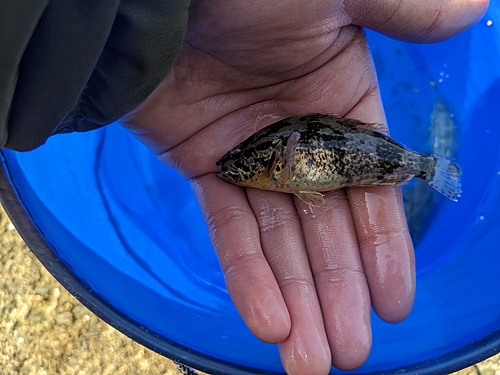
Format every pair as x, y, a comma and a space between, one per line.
395, 179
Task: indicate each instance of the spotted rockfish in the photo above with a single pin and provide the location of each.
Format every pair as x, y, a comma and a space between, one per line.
307, 155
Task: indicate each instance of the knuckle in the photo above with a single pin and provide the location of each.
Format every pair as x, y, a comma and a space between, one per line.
270, 218
225, 215
339, 275
296, 281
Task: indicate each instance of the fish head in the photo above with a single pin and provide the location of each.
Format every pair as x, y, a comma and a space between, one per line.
246, 166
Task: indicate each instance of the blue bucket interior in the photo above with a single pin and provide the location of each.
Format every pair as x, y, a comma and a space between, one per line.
129, 227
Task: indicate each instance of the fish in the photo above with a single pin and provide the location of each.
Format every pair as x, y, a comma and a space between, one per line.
315, 153
420, 201
443, 132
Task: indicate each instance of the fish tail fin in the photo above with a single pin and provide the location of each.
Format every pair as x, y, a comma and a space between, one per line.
445, 178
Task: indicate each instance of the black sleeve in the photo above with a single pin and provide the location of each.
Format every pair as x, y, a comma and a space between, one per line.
76, 65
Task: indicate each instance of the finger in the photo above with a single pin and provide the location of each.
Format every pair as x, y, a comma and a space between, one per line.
306, 350
416, 20
340, 280
384, 241
235, 236
386, 249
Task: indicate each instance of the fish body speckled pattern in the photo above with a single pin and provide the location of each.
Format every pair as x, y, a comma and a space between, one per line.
311, 154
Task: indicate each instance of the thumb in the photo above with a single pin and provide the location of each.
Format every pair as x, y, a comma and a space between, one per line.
416, 20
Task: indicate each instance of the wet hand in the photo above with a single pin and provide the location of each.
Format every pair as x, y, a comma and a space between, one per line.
300, 278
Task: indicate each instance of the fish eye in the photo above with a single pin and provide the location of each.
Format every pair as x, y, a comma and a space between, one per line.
236, 153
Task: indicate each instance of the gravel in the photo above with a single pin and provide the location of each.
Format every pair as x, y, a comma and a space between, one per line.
44, 330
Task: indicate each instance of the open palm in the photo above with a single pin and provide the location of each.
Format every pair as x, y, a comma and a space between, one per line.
300, 278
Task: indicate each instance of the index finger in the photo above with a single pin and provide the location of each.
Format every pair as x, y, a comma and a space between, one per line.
235, 235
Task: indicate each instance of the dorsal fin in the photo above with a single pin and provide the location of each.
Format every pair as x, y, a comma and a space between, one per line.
374, 126
380, 128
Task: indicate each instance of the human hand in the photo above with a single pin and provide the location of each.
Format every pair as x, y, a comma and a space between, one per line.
300, 279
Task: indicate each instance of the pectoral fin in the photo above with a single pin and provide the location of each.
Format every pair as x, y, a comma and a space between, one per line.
276, 158
311, 198
289, 157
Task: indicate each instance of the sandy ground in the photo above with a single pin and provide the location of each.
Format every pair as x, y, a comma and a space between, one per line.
44, 330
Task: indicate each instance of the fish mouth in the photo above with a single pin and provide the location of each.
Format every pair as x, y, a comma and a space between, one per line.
227, 177
228, 172
220, 165
222, 174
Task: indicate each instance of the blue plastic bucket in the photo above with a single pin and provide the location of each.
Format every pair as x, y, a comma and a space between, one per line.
124, 234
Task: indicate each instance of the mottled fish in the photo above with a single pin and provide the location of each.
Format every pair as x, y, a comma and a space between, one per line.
308, 155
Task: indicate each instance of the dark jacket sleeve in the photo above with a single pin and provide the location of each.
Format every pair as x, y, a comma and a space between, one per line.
81, 64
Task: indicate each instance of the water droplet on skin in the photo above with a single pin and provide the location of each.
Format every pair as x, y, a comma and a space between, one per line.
310, 211
313, 215
374, 204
